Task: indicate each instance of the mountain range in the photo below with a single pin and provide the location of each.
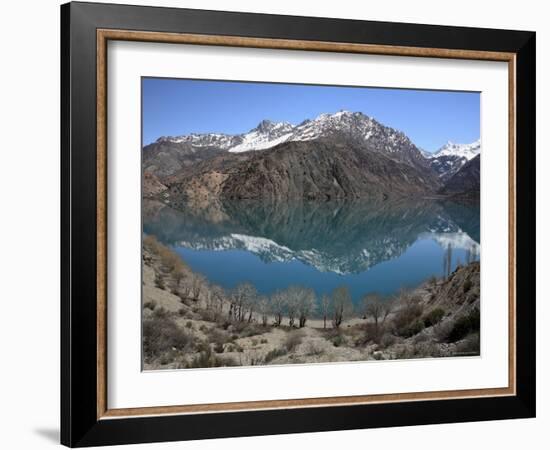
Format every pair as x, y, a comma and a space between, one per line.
334, 156
450, 158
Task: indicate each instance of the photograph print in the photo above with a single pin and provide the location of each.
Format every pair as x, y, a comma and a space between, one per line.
301, 224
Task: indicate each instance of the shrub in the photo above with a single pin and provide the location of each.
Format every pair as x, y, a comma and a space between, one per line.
275, 353
372, 334
238, 327
162, 334
293, 340
218, 338
421, 350
202, 346
159, 282
160, 313
433, 317
387, 340
263, 341
206, 314
337, 340
248, 329
421, 337
470, 346
414, 328
189, 324
254, 342
208, 359
442, 330
314, 349
467, 286
234, 348
170, 260
427, 350
149, 305
406, 321
464, 326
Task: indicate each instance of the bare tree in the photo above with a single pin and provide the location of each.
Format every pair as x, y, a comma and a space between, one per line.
178, 275
291, 305
243, 302
251, 305
197, 284
263, 309
208, 298
341, 305
184, 288
377, 308
278, 305
325, 308
218, 297
300, 303
305, 303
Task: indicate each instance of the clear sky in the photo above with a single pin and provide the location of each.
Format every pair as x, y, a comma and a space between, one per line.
173, 107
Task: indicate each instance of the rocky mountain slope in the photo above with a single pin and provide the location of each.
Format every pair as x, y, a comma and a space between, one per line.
334, 156
323, 169
170, 153
164, 157
465, 182
450, 158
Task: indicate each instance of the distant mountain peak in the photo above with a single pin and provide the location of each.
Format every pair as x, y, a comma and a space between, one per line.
266, 126
467, 151
451, 157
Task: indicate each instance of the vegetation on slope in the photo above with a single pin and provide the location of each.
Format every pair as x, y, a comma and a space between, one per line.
189, 322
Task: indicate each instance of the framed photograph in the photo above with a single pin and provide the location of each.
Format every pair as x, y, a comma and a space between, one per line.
276, 224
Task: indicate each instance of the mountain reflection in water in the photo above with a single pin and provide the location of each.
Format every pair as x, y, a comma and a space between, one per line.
369, 247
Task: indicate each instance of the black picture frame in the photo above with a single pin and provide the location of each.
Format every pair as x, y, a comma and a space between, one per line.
80, 425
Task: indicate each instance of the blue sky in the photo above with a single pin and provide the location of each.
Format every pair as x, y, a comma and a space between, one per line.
174, 107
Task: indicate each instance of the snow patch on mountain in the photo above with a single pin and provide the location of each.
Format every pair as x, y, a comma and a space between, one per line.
467, 151
266, 135
270, 134
198, 141
450, 158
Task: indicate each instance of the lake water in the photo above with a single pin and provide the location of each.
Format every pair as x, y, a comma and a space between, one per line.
369, 247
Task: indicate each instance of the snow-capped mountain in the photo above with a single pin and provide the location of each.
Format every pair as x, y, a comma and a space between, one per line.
268, 134
222, 141
170, 153
467, 151
450, 158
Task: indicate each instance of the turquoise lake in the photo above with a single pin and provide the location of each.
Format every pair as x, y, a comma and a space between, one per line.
369, 247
